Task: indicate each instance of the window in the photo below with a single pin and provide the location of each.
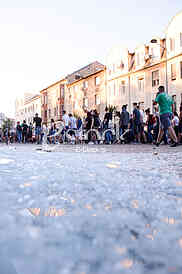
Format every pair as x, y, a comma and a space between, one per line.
49, 113
45, 99
155, 78
181, 39
172, 44
97, 81
62, 91
173, 72
141, 84
174, 100
114, 89
122, 88
97, 99
121, 65
45, 114
85, 102
70, 99
181, 70
76, 88
85, 84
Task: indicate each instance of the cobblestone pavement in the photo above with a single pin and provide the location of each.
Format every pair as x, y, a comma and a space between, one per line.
90, 209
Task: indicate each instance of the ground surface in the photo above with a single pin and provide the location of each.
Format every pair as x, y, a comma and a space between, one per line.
119, 210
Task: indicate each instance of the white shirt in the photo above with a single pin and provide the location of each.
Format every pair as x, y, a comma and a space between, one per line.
141, 115
176, 121
73, 122
66, 120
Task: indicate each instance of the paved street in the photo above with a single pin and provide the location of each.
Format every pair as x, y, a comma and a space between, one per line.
91, 209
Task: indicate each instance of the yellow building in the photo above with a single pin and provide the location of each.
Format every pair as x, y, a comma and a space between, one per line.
85, 90
52, 102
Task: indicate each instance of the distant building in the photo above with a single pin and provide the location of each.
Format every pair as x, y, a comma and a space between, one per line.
126, 78
26, 107
135, 77
52, 102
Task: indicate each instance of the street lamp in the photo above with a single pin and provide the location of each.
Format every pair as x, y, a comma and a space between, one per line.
154, 41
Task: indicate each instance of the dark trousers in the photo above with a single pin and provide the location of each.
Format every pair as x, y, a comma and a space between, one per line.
24, 137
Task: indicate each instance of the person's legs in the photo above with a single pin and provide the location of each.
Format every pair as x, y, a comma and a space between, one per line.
150, 137
166, 123
172, 134
19, 136
160, 135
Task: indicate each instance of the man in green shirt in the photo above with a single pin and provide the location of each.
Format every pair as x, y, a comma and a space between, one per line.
165, 103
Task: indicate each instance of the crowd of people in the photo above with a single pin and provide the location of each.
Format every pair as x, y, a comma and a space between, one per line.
140, 126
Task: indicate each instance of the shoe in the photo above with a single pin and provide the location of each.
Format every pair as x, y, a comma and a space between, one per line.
174, 145
157, 144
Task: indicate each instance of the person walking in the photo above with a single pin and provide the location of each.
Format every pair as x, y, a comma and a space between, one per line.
38, 122
165, 103
19, 132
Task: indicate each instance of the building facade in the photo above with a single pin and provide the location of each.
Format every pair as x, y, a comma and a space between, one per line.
135, 77
85, 90
26, 107
126, 78
52, 102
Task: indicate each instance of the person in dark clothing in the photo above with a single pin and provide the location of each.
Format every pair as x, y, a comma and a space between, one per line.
24, 132
89, 124
136, 122
124, 119
107, 117
89, 121
30, 129
97, 122
7, 135
38, 122
150, 125
19, 132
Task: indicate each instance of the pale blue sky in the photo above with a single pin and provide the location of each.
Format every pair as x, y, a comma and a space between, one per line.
42, 40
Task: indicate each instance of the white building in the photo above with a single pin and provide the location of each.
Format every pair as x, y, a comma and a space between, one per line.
26, 107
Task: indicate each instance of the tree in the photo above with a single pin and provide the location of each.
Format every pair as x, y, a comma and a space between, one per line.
7, 123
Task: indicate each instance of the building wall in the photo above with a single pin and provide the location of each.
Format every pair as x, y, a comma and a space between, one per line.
52, 102
25, 108
31, 108
128, 78
86, 94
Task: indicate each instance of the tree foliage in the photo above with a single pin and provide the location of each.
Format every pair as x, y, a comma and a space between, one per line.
7, 123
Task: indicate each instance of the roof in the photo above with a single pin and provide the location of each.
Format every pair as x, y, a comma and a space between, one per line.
85, 72
36, 96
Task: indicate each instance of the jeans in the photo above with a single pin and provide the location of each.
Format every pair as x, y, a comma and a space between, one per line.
149, 129
19, 135
108, 136
24, 137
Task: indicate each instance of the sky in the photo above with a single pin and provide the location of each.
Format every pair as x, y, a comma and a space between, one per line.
43, 40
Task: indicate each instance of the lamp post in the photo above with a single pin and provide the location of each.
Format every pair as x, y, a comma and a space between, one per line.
154, 41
